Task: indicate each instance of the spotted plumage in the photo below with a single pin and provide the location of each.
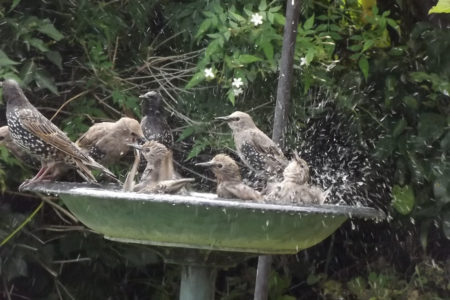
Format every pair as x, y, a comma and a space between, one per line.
154, 124
34, 133
295, 189
108, 142
229, 182
255, 149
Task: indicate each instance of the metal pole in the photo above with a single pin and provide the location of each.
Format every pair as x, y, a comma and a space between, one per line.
280, 121
197, 283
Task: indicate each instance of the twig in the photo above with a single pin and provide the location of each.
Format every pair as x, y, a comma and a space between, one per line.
67, 102
27, 220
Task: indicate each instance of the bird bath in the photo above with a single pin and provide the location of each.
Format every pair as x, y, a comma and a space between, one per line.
201, 232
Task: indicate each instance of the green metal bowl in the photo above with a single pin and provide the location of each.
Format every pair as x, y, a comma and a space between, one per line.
201, 220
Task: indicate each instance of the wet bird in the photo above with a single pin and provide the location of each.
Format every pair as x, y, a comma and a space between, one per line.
41, 138
153, 123
295, 189
229, 182
108, 142
255, 149
159, 175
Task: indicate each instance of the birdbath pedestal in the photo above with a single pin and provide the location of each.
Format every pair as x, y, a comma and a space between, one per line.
201, 232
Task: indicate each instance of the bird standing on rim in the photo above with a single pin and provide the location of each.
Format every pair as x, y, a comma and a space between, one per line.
295, 189
229, 182
41, 138
159, 175
255, 149
108, 142
153, 123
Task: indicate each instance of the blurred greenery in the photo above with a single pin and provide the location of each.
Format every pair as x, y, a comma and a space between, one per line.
382, 64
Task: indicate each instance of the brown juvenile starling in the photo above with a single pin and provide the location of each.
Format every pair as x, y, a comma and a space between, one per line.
255, 149
159, 175
108, 142
229, 182
295, 189
153, 123
41, 138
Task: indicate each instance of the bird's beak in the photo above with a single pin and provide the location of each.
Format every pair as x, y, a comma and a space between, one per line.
135, 146
140, 140
142, 96
226, 118
206, 164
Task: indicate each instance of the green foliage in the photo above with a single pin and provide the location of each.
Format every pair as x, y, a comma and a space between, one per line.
443, 6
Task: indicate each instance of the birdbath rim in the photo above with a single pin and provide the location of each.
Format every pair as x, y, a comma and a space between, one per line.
113, 191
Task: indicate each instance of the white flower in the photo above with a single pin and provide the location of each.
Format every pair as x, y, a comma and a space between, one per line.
256, 19
237, 83
303, 61
237, 91
209, 73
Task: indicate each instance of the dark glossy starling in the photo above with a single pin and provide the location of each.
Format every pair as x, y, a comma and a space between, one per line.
108, 142
159, 175
295, 189
229, 182
255, 149
41, 138
153, 123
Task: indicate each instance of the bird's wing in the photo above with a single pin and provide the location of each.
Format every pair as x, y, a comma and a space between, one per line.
270, 152
242, 191
41, 127
94, 133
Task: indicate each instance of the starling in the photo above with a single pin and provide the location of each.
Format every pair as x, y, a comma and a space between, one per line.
159, 175
108, 142
229, 182
38, 136
153, 123
294, 189
255, 149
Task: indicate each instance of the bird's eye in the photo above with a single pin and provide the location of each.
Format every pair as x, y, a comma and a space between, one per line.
237, 119
2, 138
147, 150
220, 166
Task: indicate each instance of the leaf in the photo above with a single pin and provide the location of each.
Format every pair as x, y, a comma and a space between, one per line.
187, 132
431, 126
38, 44
247, 59
309, 56
309, 23
364, 66
367, 45
55, 58
45, 81
262, 5
196, 79
267, 49
14, 4
446, 223
401, 125
5, 61
204, 26
27, 71
441, 189
49, 30
403, 199
231, 97
443, 6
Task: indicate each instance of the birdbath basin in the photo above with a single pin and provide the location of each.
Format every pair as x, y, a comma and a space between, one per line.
199, 224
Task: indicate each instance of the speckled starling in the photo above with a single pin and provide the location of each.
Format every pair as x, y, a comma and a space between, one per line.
153, 123
159, 175
41, 138
229, 182
294, 189
107, 142
255, 149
